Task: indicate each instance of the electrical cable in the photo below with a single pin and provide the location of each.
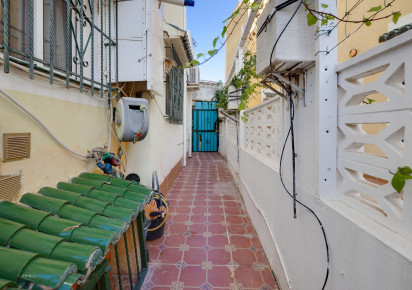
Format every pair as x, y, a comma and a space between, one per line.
301, 203
291, 133
280, 35
41, 124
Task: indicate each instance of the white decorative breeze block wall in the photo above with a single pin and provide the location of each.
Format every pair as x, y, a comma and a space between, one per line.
263, 131
375, 139
232, 131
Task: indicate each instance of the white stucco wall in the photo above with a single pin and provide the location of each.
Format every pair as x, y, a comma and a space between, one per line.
363, 253
77, 119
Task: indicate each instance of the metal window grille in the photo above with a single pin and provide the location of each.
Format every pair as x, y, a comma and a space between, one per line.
175, 89
78, 40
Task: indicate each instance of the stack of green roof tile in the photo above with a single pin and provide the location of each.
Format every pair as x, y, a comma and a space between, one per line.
59, 236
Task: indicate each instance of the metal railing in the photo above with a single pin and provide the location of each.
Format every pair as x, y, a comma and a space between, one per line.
80, 29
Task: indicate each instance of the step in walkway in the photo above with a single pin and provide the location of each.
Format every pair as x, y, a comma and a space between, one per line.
209, 240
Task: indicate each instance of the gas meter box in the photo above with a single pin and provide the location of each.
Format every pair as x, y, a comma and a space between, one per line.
132, 119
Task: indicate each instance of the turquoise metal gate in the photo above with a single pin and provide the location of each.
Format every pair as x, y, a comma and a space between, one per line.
205, 137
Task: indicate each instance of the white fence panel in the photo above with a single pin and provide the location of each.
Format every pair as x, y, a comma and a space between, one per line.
375, 132
263, 132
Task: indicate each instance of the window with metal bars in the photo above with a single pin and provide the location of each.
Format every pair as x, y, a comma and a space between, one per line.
175, 89
77, 40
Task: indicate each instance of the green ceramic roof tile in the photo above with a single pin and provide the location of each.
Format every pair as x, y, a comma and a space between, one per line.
12, 262
8, 229
92, 213
6, 284
69, 282
91, 204
58, 193
21, 237
83, 189
49, 204
29, 240
25, 215
47, 272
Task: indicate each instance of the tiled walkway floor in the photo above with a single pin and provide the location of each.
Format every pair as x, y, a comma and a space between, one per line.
209, 241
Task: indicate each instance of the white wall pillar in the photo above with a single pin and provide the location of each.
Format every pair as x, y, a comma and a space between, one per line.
326, 96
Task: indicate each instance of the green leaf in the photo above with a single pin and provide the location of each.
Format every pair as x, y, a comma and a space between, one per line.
395, 17
324, 5
324, 22
199, 55
370, 100
195, 62
215, 41
376, 8
367, 22
398, 182
212, 52
405, 170
311, 19
256, 5
224, 31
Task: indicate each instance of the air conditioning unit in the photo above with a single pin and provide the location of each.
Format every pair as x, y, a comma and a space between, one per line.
132, 119
295, 49
193, 76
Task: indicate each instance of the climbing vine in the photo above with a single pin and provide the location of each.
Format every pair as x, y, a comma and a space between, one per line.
246, 81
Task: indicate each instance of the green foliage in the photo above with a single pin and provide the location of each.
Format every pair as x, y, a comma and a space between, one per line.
399, 178
324, 17
376, 8
370, 100
244, 80
312, 19
395, 17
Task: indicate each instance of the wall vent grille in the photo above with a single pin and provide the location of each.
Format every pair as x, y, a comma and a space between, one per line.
10, 187
16, 146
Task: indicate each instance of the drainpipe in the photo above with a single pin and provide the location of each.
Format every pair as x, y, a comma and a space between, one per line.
180, 2
184, 119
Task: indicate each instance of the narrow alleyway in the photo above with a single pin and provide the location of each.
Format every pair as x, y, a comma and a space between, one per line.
209, 241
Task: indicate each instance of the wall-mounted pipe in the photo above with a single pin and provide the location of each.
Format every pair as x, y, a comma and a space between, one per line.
180, 2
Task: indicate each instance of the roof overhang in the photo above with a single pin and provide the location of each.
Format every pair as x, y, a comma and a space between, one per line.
180, 40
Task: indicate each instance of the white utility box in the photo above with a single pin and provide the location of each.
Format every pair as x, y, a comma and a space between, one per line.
140, 43
296, 47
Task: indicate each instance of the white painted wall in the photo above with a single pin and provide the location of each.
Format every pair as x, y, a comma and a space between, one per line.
205, 91
363, 253
77, 119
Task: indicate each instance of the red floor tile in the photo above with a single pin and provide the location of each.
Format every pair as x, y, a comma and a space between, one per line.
197, 229
237, 229
248, 277
165, 275
233, 219
170, 256
217, 241
241, 242
217, 229
219, 257
174, 241
205, 204
195, 256
244, 257
220, 276
193, 276
198, 218
217, 218
268, 279
197, 241
177, 228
